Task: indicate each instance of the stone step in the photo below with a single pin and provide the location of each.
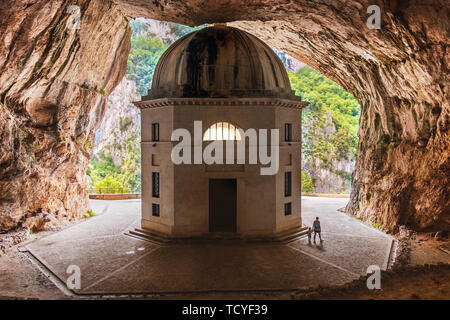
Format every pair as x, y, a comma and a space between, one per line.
150, 236
162, 239
291, 231
152, 233
294, 236
291, 234
141, 237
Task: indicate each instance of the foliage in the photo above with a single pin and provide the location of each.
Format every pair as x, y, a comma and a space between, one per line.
128, 173
124, 123
130, 168
307, 183
322, 138
144, 55
101, 167
89, 214
330, 122
110, 185
180, 30
138, 26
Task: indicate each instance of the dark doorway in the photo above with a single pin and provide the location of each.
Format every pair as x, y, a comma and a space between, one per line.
222, 205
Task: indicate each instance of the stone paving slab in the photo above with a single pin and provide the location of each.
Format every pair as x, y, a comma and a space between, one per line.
96, 257
119, 216
333, 221
194, 268
354, 254
112, 262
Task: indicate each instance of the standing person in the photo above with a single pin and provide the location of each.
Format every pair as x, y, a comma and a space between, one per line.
309, 235
316, 227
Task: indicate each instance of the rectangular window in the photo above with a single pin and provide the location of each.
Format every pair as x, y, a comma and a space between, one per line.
287, 132
155, 209
287, 184
155, 131
287, 209
155, 184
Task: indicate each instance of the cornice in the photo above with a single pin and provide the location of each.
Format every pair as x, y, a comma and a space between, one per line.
166, 102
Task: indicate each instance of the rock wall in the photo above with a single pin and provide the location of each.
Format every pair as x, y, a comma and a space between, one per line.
399, 74
162, 30
333, 176
54, 84
291, 64
51, 82
328, 180
122, 120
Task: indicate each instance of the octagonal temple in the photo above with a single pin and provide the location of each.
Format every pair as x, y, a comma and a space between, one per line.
221, 140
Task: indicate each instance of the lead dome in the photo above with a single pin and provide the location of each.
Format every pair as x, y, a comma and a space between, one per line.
220, 62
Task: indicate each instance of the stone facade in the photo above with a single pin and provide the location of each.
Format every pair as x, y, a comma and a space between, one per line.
183, 196
185, 201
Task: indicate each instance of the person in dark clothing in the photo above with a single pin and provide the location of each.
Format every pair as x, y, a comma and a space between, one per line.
317, 229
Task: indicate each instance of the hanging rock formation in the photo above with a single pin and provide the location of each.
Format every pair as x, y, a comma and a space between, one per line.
53, 84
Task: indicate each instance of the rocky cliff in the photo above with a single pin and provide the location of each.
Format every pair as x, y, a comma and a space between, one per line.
331, 172
122, 120
54, 82
291, 64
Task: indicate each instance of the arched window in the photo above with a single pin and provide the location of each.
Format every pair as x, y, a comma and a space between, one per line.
222, 131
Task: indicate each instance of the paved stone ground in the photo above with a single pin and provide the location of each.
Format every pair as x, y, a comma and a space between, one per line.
114, 263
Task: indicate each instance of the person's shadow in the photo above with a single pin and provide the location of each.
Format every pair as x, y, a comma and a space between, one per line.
318, 245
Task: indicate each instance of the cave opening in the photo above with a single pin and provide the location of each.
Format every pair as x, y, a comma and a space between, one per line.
58, 72
330, 122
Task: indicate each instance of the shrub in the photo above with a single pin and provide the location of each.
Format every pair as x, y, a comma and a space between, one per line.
307, 183
110, 185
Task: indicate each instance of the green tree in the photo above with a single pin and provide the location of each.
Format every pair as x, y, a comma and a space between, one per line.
110, 185
307, 183
130, 169
330, 122
144, 55
100, 168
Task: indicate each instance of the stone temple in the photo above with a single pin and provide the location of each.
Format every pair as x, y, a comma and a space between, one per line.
231, 83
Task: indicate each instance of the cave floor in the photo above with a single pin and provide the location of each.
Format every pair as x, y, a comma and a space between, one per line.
114, 264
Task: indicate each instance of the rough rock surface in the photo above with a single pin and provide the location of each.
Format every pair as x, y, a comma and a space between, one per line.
334, 178
11, 239
54, 84
399, 74
122, 120
51, 77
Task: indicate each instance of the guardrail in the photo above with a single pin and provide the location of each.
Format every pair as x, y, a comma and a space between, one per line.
326, 195
101, 190
118, 196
